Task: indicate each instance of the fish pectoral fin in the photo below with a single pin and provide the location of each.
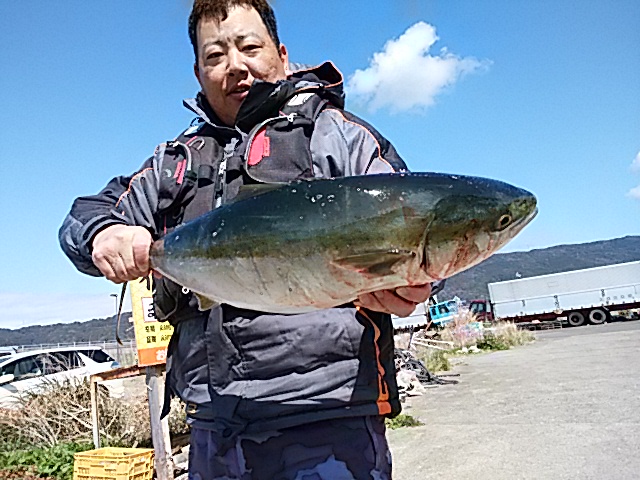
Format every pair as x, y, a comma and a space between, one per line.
375, 263
205, 303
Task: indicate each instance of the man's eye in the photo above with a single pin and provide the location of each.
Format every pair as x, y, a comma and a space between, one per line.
214, 55
250, 48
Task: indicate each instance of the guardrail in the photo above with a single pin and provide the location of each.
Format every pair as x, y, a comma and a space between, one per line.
42, 346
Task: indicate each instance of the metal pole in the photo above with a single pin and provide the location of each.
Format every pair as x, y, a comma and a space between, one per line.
159, 428
95, 415
115, 296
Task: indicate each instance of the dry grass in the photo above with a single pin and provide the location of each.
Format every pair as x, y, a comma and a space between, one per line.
465, 331
510, 334
61, 414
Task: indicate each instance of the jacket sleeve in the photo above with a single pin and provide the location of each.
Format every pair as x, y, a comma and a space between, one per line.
344, 145
126, 200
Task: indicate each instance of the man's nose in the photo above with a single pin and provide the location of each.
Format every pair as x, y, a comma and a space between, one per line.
236, 62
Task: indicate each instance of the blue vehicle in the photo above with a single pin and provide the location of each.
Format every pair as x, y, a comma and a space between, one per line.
436, 315
443, 312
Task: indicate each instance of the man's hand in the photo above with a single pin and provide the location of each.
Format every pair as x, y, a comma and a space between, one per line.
121, 252
401, 301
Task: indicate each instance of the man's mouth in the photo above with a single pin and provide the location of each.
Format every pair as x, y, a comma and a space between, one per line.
239, 92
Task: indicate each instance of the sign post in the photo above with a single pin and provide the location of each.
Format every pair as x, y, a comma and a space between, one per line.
152, 340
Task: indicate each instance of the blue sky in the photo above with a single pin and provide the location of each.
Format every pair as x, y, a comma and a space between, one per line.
542, 94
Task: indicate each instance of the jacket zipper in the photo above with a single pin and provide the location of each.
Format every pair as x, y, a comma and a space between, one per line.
221, 178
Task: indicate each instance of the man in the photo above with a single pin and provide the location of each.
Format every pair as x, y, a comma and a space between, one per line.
268, 396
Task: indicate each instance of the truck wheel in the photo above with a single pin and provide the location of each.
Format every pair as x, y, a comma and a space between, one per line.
597, 316
575, 319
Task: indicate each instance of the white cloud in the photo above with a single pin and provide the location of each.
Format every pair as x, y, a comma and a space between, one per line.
405, 76
634, 193
25, 309
635, 165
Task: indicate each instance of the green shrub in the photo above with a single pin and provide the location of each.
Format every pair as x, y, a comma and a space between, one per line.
434, 360
493, 342
55, 462
402, 420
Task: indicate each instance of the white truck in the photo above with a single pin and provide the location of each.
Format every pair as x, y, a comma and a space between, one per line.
577, 296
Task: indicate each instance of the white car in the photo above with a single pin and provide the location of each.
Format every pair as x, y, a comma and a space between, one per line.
29, 371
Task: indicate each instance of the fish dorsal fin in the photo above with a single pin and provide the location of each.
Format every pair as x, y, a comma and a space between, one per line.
378, 263
255, 189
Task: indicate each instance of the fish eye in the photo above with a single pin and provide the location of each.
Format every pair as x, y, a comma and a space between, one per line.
504, 222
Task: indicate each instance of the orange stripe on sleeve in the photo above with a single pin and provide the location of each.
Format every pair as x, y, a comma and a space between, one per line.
137, 175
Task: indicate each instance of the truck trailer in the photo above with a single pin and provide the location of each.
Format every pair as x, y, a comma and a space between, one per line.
577, 296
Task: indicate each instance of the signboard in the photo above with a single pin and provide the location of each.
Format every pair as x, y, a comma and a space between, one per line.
152, 336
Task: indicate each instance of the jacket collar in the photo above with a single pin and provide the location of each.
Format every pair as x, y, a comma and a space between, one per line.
201, 108
265, 99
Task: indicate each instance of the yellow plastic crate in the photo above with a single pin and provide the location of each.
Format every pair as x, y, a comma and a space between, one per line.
114, 464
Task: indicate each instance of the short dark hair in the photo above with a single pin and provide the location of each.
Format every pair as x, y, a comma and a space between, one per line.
219, 10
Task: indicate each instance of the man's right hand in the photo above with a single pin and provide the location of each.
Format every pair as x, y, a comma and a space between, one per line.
121, 252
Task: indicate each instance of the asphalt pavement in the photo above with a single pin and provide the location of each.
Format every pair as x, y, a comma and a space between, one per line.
564, 407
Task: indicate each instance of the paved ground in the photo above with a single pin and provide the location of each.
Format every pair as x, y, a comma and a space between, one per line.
565, 407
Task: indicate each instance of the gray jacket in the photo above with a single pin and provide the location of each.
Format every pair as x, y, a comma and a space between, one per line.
241, 370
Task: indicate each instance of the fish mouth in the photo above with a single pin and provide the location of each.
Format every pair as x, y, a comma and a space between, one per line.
529, 217
156, 254
521, 222
522, 210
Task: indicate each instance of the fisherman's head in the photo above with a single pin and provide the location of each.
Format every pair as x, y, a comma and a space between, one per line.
235, 42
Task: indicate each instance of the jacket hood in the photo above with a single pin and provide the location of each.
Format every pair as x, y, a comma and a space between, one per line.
265, 99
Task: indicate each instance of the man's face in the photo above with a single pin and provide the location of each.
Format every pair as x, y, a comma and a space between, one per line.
231, 55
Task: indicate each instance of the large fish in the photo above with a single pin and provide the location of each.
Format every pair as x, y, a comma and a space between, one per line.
315, 244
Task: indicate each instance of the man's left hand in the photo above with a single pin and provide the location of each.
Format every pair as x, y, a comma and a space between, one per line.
400, 301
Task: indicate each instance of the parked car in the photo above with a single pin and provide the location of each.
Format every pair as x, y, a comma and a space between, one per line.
30, 371
4, 351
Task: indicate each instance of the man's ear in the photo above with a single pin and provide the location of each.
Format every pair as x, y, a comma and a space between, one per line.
196, 72
284, 57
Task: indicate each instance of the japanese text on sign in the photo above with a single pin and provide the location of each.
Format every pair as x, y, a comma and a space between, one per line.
152, 337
